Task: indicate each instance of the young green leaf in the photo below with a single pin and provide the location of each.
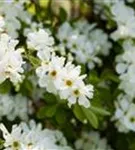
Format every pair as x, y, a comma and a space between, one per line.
100, 111
91, 117
79, 113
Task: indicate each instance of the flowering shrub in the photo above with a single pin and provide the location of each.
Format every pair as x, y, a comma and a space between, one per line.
67, 75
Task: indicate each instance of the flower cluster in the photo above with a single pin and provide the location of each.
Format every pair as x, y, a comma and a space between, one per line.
124, 106
91, 141
14, 13
12, 107
125, 67
56, 75
41, 41
125, 64
84, 41
118, 12
43, 45
125, 114
32, 136
11, 60
125, 24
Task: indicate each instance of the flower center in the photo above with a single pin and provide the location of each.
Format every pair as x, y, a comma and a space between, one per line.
16, 144
76, 92
53, 73
132, 119
69, 83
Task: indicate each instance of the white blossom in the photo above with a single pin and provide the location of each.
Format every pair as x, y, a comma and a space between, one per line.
12, 107
13, 12
55, 74
64, 80
33, 137
124, 115
40, 40
10, 60
125, 67
83, 40
91, 141
125, 24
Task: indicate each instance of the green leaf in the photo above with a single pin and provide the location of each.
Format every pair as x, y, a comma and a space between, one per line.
100, 111
1, 144
61, 116
108, 74
50, 110
50, 98
91, 117
26, 87
33, 60
5, 87
93, 78
79, 113
41, 113
83, 68
47, 111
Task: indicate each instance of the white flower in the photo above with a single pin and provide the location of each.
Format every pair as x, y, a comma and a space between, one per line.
84, 41
39, 40
50, 72
10, 60
125, 67
119, 12
124, 116
91, 141
13, 12
12, 107
64, 80
81, 93
69, 76
101, 46
64, 31
13, 139
129, 119
72, 86
57, 76
125, 24
122, 12
31, 136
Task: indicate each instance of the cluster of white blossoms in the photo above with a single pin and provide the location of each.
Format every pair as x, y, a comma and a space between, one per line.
14, 13
125, 24
56, 75
41, 41
12, 107
84, 41
125, 63
10, 60
92, 141
125, 108
119, 12
125, 114
126, 68
33, 137
101, 7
